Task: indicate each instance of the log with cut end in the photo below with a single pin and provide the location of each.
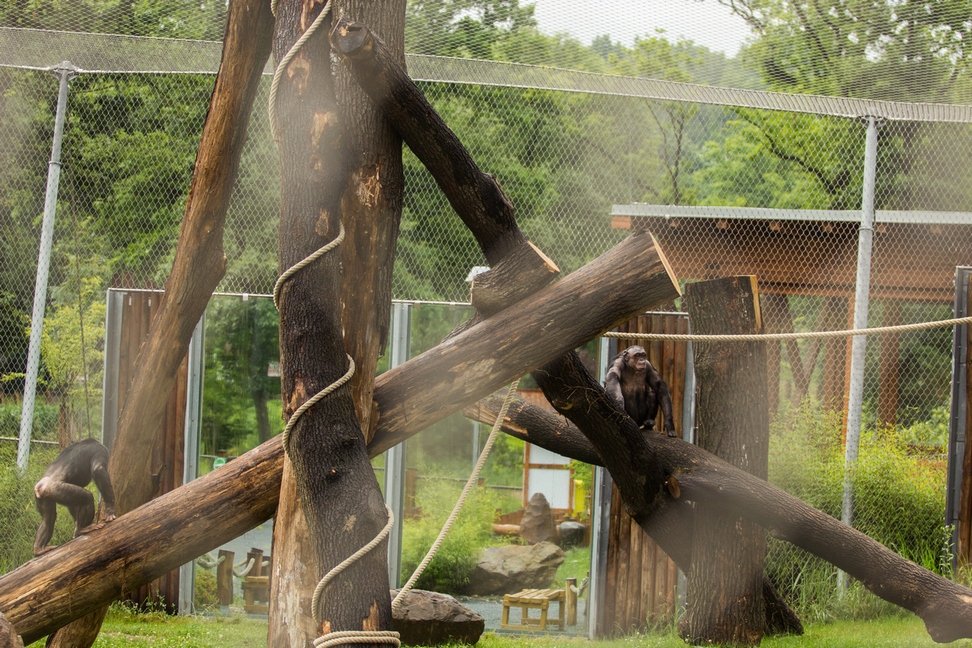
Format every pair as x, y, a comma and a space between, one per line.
93, 570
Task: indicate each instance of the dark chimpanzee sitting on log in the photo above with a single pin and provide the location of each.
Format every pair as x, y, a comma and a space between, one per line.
637, 386
64, 483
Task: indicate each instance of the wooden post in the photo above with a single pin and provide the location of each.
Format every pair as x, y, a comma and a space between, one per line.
570, 600
725, 597
224, 578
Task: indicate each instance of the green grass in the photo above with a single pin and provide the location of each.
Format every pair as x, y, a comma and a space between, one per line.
129, 630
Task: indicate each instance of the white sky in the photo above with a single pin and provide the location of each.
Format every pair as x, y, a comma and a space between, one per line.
704, 22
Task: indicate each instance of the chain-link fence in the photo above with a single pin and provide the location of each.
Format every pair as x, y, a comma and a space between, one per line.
684, 140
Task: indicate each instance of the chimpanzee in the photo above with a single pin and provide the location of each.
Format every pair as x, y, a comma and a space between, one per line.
638, 387
64, 483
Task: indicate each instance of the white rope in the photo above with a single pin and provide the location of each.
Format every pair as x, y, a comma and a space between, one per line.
208, 562
348, 637
294, 269
768, 337
345, 637
242, 573
313, 400
473, 478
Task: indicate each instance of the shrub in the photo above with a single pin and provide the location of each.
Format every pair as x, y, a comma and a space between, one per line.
898, 501
449, 571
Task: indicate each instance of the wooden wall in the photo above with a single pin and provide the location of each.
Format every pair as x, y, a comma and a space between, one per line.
640, 578
138, 309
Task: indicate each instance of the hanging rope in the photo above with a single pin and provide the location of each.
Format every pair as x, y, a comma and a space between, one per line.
473, 479
769, 337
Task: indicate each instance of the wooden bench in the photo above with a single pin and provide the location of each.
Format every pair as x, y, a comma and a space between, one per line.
533, 599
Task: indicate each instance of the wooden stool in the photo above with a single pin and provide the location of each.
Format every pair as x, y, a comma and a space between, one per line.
533, 599
255, 594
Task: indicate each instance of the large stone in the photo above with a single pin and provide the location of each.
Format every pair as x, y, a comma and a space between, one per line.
572, 533
432, 619
510, 568
8, 636
537, 524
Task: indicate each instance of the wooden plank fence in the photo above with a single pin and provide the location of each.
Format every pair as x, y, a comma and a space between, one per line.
641, 580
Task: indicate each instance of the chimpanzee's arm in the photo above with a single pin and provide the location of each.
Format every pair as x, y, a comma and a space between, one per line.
612, 385
663, 398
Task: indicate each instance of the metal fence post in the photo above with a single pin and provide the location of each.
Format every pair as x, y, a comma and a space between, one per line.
66, 72
859, 343
395, 456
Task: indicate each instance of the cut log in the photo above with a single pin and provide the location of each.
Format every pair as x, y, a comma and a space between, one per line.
724, 597
47, 592
944, 606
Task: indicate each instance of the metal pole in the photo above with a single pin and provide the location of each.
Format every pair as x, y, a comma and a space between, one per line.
600, 520
958, 435
395, 456
65, 71
859, 343
191, 425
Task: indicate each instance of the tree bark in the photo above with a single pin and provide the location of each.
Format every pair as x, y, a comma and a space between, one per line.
339, 164
198, 267
725, 595
198, 517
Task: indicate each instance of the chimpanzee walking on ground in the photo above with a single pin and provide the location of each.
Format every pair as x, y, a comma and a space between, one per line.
637, 387
64, 483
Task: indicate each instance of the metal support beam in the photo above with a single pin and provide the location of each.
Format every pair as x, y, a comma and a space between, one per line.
395, 457
65, 72
859, 343
194, 394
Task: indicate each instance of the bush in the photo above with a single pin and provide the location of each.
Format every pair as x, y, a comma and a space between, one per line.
449, 571
898, 501
204, 590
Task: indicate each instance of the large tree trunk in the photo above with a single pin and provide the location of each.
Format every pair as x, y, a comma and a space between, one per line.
198, 517
725, 584
340, 163
198, 266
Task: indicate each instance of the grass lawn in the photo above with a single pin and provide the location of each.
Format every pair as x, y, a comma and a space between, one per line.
124, 629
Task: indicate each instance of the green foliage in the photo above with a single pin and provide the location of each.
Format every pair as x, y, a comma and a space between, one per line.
45, 420
450, 569
242, 399
898, 501
204, 594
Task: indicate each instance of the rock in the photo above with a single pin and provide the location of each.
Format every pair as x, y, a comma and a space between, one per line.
537, 524
8, 636
432, 619
572, 533
510, 568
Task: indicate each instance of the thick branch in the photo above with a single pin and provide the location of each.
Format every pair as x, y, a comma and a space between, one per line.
476, 197
198, 266
199, 260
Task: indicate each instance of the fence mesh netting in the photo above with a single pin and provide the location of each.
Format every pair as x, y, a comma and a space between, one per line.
736, 135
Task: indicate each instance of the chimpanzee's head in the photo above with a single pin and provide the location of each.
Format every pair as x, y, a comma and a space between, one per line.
636, 359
